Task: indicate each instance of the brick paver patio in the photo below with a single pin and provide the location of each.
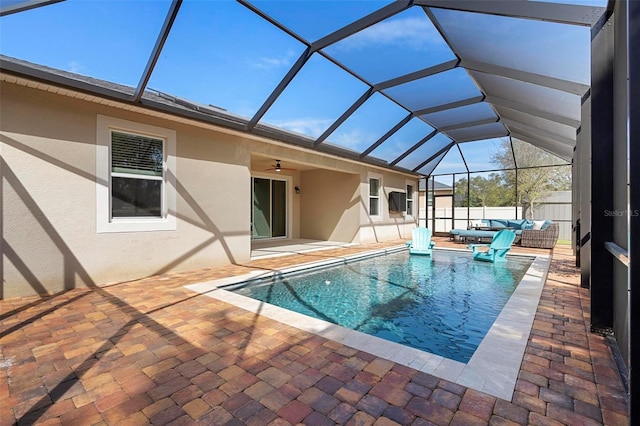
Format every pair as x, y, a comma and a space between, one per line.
153, 352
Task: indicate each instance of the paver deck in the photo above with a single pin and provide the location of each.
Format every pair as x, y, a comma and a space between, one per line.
153, 352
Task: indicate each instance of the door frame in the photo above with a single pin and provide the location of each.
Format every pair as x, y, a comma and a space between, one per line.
448, 220
289, 209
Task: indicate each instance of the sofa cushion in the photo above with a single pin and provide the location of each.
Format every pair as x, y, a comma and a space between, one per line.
520, 223
527, 224
515, 224
537, 225
499, 223
546, 224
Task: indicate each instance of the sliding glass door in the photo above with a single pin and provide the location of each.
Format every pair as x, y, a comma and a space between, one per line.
269, 212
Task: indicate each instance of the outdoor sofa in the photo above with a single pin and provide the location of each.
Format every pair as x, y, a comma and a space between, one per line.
535, 234
547, 237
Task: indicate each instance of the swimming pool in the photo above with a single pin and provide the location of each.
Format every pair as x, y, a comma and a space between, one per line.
494, 366
444, 303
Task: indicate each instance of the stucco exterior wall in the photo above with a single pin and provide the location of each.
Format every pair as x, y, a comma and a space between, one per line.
50, 241
389, 225
331, 205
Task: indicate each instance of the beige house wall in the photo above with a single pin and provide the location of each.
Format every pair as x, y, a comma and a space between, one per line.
425, 209
444, 201
331, 203
49, 235
389, 225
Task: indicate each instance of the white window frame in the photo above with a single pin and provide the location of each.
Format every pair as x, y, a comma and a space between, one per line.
378, 197
104, 222
410, 201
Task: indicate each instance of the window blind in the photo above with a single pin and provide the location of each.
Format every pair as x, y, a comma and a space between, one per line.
374, 186
136, 154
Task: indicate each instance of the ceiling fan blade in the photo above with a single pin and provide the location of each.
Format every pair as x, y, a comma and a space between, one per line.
278, 167
281, 168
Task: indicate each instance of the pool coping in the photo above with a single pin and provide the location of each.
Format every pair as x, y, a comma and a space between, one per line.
494, 366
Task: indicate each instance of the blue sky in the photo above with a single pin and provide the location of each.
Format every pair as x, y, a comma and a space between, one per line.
221, 53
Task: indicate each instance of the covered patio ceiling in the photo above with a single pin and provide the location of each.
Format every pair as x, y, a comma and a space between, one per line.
402, 84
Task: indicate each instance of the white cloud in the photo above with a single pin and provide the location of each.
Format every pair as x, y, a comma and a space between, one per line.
352, 139
415, 33
76, 67
311, 127
267, 63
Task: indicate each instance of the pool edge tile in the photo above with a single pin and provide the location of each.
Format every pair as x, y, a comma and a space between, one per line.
511, 330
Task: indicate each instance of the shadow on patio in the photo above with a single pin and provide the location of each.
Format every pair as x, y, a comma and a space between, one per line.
151, 351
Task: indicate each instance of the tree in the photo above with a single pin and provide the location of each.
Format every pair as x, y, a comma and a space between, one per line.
494, 192
535, 179
485, 191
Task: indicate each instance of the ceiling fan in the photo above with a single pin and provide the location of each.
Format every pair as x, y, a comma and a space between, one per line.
277, 167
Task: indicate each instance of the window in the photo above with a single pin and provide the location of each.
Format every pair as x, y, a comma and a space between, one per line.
409, 200
135, 171
136, 175
374, 196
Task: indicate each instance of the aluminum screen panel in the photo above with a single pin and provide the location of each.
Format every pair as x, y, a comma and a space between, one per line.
88, 38
316, 97
435, 90
315, 19
431, 165
461, 115
398, 143
598, 3
208, 73
481, 155
553, 142
545, 48
399, 45
370, 122
451, 163
529, 97
528, 155
549, 145
483, 131
563, 132
344, 73
427, 150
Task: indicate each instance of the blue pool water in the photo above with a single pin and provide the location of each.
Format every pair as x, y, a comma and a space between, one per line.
443, 304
